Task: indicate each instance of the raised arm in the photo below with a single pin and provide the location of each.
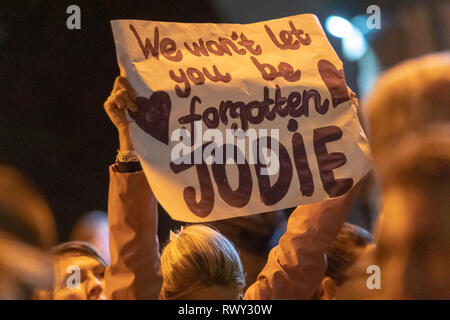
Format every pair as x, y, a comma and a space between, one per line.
297, 264
134, 272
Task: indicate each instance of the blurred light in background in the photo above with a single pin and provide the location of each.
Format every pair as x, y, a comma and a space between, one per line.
355, 47
354, 44
368, 70
360, 23
339, 27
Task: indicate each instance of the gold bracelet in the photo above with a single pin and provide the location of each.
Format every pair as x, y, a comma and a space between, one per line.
127, 156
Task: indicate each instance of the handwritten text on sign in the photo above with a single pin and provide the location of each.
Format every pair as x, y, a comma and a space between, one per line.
240, 119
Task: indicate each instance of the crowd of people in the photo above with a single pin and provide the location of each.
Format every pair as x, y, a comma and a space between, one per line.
317, 255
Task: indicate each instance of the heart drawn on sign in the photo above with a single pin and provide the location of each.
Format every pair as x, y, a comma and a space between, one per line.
153, 115
335, 81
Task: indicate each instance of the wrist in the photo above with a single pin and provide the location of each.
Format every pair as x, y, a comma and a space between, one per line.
127, 162
125, 143
126, 156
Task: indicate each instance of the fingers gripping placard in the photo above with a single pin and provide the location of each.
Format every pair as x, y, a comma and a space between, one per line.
236, 119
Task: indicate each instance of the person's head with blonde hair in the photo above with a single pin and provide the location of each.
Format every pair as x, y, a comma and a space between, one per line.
200, 263
408, 98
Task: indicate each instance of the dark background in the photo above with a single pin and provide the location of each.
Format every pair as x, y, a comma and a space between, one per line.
53, 81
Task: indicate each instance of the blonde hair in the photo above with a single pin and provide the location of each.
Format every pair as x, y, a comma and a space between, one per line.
199, 255
408, 98
419, 159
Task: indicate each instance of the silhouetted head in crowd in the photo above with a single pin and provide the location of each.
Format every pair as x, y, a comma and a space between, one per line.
407, 99
93, 228
408, 116
341, 256
413, 235
24, 213
24, 269
27, 230
200, 263
79, 272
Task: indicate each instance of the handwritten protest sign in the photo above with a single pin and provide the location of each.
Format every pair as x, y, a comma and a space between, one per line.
237, 119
